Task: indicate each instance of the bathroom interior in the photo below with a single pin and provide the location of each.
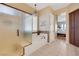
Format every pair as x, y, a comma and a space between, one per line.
25, 28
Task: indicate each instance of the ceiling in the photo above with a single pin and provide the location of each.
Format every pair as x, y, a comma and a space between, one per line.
55, 6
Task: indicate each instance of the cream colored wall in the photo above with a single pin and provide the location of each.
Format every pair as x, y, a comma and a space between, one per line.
68, 9
46, 10
22, 6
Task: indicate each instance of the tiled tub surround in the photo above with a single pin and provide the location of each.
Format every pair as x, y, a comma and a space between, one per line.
37, 42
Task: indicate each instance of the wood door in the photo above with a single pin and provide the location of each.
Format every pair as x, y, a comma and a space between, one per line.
71, 28
76, 27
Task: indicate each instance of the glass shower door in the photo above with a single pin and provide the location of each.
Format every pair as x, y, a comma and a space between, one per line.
15, 27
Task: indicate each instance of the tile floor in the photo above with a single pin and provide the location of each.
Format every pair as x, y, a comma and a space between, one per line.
57, 48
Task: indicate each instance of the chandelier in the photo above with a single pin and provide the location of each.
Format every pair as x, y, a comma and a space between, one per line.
35, 11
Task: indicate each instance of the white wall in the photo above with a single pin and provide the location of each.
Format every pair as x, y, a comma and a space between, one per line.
52, 28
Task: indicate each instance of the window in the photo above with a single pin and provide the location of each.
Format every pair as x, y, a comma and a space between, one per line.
61, 23
27, 23
34, 23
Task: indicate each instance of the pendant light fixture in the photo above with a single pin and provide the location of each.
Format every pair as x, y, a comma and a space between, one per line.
35, 12
36, 17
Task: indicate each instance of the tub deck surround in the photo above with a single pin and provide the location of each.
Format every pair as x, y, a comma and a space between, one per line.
37, 42
25, 43
13, 47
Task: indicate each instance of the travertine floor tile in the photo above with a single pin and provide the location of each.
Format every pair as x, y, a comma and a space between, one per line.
57, 48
